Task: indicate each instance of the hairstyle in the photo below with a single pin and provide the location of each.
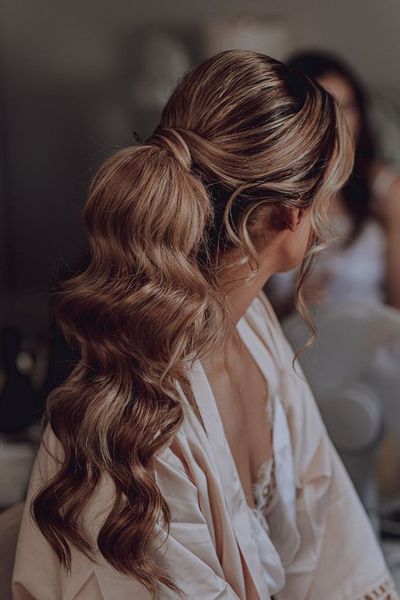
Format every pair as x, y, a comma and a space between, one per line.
357, 192
242, 137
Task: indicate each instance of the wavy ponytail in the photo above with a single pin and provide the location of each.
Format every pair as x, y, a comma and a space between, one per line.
240, 135
141, 307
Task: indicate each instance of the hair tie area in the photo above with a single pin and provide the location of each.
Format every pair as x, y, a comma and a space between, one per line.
170, 139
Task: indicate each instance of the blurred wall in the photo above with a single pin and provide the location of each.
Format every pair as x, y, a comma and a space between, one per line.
364, 30
65, 69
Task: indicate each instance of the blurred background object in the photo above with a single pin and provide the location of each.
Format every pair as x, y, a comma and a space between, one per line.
353, 371
267, 35
80, 80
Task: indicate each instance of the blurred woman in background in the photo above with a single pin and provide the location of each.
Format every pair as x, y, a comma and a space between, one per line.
364, 261
184, 455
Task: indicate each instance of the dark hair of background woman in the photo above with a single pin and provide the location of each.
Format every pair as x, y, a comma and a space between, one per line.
357, 193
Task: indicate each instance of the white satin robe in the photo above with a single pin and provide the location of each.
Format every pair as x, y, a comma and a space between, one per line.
319, 530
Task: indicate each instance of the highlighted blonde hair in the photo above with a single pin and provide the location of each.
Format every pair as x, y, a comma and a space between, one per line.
241, 134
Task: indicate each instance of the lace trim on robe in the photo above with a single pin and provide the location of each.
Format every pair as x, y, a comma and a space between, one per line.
384, 591
264, 486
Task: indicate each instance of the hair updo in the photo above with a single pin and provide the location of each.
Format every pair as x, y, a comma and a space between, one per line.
172, 141
241, 135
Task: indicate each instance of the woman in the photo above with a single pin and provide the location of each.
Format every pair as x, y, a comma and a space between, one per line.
184, 455
364, 262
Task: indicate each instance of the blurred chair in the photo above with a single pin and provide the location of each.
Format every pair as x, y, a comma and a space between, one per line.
9, 528
18, 400
16, 461
353, 370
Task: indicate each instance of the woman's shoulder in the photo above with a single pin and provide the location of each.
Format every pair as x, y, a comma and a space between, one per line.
261, 310
49, 457
262, 318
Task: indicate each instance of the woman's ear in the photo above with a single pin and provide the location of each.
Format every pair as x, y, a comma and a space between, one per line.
294, 217
289, 218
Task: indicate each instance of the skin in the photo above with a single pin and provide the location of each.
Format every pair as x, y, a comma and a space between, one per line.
233, 375
388, 207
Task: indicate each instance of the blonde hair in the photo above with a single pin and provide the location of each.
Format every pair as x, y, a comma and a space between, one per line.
241, 133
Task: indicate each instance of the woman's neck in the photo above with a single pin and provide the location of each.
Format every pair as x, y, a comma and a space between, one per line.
242, 286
